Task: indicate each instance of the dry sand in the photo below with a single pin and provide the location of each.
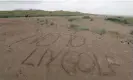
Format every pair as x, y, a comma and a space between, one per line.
32, 49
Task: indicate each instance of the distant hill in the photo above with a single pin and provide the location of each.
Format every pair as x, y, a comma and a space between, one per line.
37, 13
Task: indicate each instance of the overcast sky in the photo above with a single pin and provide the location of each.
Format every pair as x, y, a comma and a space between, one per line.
117, 7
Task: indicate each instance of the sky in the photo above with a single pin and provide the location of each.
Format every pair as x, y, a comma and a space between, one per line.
113, 7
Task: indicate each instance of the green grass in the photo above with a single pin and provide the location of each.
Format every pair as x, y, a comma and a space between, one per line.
117, 20
78, 28
82, 28
122, 20
37, 13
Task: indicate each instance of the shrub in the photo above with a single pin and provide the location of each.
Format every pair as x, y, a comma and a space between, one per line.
46, 21
129, 21
38, 19
118, 20
72, 19
131, 32
86, 17
83, 28
52, 23
100, 31
114, 32
42, 23
78, 28
91, 19
73, 26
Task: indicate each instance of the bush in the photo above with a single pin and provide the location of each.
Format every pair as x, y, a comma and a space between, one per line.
52, 23
3, 16
131, 32
46, 21
129, 21
77, 27
115, 34
72, 19
118, 20
38, 19
86, 17
91, 19
83, 28
100, 31
73, 26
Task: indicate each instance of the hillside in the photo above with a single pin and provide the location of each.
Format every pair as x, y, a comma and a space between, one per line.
36, 13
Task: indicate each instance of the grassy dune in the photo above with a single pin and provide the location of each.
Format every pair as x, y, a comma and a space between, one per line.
36, 13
